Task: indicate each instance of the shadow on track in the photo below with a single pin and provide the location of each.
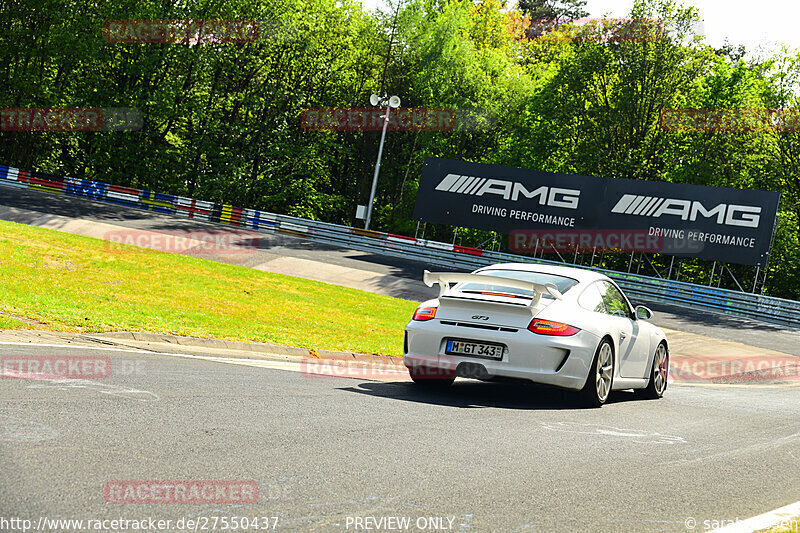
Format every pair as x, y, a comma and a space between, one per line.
477, 395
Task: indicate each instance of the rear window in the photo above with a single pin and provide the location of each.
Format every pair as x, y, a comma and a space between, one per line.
564, 284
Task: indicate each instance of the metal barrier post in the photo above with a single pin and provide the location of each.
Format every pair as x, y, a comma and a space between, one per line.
755, 280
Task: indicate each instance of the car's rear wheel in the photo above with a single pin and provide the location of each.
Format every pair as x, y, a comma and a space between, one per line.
432, 377
658, 375
598, 384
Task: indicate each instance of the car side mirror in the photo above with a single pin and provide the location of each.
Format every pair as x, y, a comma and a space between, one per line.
643, 313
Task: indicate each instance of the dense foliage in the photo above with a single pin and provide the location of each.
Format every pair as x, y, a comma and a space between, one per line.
222, 120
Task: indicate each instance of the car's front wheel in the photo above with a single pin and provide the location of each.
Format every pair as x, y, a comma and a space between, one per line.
658, 375
598, 384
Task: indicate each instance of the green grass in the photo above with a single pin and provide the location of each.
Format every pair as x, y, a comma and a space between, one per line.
7, 322
794, 527
74, 283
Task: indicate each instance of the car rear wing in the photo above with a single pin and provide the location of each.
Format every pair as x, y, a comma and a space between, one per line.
444, 279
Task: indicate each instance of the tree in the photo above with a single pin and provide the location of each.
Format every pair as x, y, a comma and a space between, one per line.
222, 120
555, 10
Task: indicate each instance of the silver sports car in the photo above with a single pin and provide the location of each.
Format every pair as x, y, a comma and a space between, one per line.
561, 326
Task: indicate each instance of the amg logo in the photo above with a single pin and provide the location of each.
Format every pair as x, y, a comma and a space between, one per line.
509, 190
747, 216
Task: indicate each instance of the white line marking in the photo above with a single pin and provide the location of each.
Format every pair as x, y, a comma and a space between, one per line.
768, 520
771, 444
103, 388
128, 350
291, 366
596, 429
73, 346
327, 371
382, 374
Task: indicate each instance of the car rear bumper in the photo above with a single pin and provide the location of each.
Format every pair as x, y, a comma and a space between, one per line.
559, 361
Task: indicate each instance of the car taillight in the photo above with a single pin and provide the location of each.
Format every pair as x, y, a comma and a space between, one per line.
424, 313
548, 327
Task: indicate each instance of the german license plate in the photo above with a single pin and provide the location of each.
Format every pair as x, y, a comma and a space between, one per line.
478, 349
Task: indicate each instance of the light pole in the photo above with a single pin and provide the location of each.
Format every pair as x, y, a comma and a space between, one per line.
389, 103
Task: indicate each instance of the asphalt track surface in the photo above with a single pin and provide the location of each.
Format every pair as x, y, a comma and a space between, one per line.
492, 457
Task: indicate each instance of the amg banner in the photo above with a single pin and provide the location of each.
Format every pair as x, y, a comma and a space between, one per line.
730, 225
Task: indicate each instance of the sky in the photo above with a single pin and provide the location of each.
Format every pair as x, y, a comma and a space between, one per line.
765, 23
761, 26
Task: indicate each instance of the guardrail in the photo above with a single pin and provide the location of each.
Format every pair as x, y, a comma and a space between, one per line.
724, 301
